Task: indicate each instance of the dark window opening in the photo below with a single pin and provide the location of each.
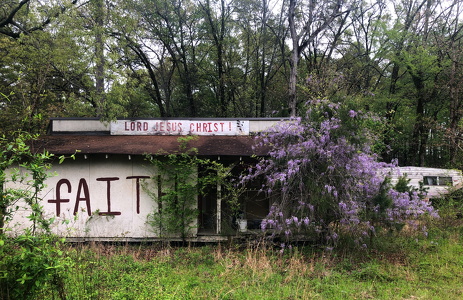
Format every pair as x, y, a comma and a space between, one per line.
438, 180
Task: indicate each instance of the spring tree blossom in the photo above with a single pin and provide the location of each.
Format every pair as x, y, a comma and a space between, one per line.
324, 179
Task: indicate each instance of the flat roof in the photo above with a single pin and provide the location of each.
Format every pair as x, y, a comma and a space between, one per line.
139, 145
68, 136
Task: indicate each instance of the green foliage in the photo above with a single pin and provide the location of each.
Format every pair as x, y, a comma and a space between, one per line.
18, 164
403, 186
29, 260
450, 207
233, 62
180, 178
176, 208
382, 200
403, 266
31, 263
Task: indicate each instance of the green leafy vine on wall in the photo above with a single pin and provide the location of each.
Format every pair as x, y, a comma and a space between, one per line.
180, 178
30, 259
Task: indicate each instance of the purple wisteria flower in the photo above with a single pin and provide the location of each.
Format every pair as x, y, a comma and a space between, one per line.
321, 173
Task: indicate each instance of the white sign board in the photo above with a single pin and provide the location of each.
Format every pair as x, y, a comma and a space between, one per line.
180, 127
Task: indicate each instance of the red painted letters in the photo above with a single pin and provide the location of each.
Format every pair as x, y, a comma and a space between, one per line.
108, 196
58, 199
86, 197
83, 194
138, 189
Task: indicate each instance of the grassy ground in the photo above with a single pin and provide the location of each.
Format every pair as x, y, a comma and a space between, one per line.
400, 266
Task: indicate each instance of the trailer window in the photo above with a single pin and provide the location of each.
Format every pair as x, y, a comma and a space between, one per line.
438, 180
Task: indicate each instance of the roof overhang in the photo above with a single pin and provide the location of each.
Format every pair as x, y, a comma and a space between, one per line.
139, 145
212, 136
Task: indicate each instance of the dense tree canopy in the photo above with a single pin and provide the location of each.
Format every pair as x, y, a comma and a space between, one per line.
239, 58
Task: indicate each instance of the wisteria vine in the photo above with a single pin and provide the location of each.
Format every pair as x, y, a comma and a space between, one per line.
324, 180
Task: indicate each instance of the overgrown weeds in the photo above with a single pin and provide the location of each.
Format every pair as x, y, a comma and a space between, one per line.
403, 265
400, 268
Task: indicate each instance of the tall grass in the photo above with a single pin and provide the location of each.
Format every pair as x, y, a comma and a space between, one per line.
403, 265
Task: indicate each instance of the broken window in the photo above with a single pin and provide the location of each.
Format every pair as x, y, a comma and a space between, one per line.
438, 180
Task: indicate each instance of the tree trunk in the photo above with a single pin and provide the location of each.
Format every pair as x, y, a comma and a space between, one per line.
317, 20
294, 59
99, 57
218, 35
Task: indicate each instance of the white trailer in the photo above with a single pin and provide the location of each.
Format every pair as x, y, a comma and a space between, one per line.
436, 181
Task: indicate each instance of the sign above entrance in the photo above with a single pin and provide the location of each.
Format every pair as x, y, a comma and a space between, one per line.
180, 127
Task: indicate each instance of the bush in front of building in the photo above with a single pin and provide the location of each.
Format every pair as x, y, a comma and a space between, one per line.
325, 180
31, 260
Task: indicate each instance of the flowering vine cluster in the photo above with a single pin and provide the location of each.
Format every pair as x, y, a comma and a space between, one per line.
323, 179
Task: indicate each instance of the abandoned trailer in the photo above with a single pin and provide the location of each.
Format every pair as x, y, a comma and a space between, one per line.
435, 181
106, 192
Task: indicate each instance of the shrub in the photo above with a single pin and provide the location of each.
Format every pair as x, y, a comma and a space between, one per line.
31, 260
324, 178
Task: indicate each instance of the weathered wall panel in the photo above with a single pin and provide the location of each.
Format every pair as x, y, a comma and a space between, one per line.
98, 197
417, 174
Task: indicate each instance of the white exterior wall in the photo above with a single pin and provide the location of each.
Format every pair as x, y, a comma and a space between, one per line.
124, 221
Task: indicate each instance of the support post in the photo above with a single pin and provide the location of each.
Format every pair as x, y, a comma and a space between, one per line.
219, 208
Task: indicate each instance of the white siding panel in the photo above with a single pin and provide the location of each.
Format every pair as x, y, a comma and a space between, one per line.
127, 217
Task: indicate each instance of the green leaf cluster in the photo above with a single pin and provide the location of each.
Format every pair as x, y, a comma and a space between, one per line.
29, 259
178, 181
